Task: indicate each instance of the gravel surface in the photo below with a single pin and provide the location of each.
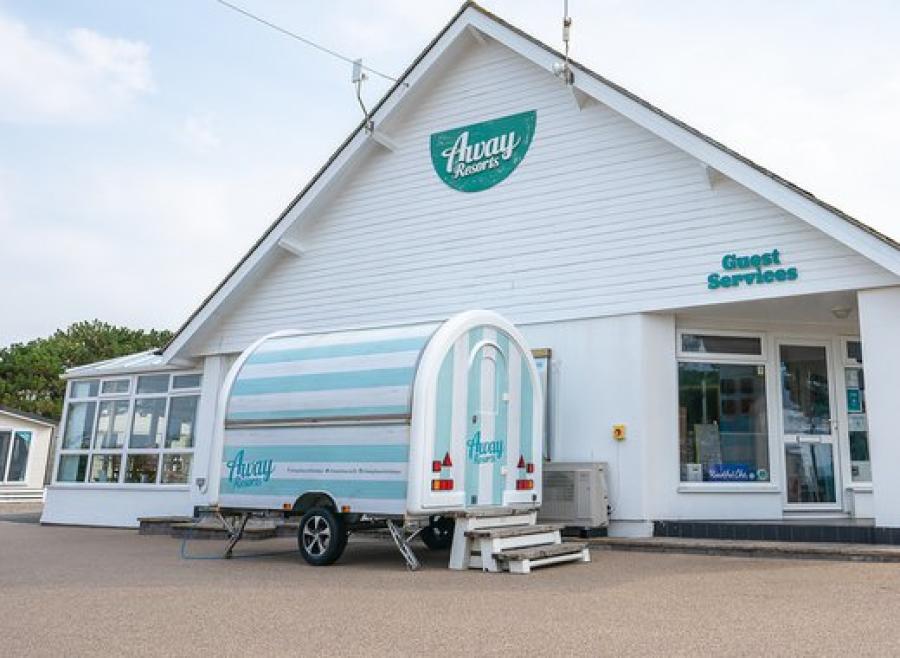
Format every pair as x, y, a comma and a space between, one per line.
91, 591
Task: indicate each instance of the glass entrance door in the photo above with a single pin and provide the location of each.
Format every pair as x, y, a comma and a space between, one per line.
809, 431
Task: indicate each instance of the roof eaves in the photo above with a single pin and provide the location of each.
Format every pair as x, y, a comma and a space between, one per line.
27, 415
697, 133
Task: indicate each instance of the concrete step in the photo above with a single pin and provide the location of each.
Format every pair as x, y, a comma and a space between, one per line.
160, 525
754, 548
212, 529
514, 531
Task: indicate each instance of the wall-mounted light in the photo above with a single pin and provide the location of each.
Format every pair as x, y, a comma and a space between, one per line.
841, 312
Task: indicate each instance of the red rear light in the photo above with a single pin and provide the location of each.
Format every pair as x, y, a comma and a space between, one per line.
442, 485
436, 466
529, 468
524, 485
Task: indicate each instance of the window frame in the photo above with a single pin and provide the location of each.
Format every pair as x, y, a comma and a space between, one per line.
721, 357
761, 359
125, 450
7, 464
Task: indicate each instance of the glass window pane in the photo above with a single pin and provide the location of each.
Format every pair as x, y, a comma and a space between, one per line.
805, 399
722, 421
153, 384
5, 440
149, 423
84, 389
186, 381
141, 469
105, 468
854, 351
182, 416
79, 425
112, 424
112, 386
708, 344
176, 469
810, 472
18, 459
72, 468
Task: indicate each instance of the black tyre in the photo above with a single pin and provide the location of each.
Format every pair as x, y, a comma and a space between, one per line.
322, 537
439, 533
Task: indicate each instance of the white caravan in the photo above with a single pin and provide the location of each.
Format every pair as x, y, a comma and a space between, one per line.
418, 424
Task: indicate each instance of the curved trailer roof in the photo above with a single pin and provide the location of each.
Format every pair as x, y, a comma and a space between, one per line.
350, 375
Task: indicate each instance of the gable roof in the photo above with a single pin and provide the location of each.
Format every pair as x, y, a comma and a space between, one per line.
27, 415
799, 202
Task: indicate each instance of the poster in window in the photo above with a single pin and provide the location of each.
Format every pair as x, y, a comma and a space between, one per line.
854, 400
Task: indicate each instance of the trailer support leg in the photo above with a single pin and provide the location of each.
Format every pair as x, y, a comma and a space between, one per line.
235, 532
402, 542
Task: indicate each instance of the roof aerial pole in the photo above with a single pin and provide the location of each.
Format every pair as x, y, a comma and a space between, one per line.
563, 70
357, 78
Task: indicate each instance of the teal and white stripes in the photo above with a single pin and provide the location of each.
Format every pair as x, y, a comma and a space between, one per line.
346, 375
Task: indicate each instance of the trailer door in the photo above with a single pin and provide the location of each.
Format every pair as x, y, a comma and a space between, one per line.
486, 445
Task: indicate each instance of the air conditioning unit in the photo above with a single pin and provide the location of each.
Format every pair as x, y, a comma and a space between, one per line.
575, 493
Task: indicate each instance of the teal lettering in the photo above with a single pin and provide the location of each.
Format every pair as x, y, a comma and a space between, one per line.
775, 257
728, 262
792, 274
712, 281
768, 276
780, 275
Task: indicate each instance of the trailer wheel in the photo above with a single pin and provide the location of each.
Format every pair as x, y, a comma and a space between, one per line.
439, 533
322, 537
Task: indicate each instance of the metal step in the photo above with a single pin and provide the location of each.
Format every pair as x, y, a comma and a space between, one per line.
514, 531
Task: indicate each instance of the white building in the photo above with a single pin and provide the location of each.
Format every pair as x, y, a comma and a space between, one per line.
742, 330
25, 441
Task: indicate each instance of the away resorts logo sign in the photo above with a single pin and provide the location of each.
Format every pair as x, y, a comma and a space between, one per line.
476, 157
248, 474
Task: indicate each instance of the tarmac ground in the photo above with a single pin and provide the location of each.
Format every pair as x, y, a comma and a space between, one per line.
91, 591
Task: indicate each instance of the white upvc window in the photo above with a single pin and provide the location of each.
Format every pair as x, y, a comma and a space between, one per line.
15, 444
722, 407
134, 430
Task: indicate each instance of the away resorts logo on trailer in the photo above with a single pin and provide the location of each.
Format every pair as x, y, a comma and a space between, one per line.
476, 157
482, 452
248, 474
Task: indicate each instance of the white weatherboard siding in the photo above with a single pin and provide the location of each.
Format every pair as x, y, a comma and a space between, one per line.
601, 218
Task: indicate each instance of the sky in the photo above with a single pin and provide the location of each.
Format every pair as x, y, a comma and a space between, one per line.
146, 144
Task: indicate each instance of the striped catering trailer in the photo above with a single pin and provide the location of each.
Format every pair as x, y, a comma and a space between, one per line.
418, 423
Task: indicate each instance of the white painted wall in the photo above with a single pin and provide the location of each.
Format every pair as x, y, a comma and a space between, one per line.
879, 319
601, 218
37, 457
118, 506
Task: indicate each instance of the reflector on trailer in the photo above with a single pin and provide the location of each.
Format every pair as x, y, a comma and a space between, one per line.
447, 461
529, 468
436, 466
521, 461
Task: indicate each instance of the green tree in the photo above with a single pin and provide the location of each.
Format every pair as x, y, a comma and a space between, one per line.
29, 372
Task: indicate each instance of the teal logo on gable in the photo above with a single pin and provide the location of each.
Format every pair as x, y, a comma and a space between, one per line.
475, 157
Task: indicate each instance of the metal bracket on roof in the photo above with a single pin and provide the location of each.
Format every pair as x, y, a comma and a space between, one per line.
292, 245
581, 99
383, 140
713, 176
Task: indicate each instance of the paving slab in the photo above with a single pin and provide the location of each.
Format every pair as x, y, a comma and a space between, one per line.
747, 548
